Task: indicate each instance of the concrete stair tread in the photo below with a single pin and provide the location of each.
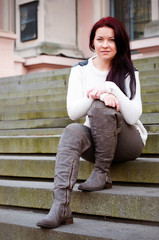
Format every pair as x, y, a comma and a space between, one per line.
35, 123
149, 88
34, 106
82, 229
120, 201
49, 144
33, 99
143, 170
33, 92
148, 72
43, 85
150, 97
152, 128
149, 79
129, 190
150, 107
30, 132
150, 118
27, 115
37, 76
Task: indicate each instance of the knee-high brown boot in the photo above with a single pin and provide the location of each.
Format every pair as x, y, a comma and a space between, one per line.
105, 124
73, 142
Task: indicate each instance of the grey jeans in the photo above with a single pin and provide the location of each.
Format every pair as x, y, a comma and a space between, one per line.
129, 143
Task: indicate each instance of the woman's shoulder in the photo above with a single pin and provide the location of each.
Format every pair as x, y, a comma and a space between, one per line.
135, 69
81, 63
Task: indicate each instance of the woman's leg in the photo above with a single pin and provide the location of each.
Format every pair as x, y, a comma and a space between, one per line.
129, 143
74, 141
105, 123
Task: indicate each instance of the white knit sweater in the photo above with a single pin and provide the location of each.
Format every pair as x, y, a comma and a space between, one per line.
85, 77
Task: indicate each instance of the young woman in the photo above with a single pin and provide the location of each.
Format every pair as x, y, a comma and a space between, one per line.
105, 89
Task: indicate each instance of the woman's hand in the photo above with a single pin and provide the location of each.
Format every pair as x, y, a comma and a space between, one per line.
96, 92
111, 101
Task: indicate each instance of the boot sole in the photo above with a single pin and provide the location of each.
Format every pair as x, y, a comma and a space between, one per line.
107, 186
65, 222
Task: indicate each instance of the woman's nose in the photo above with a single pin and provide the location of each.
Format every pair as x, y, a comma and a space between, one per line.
105, 43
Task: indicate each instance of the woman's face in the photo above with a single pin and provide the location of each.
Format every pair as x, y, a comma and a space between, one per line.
104, 44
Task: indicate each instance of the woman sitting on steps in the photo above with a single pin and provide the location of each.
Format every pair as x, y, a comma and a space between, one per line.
106, 89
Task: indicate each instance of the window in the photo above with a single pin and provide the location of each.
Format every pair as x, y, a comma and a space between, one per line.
134, 15
28, 21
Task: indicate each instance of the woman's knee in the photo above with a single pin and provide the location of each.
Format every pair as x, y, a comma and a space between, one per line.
103, 115
99, 105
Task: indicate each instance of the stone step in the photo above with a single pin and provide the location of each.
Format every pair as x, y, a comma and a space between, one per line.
43, 114
149, 80
52, 105
150, 97
120, 201
33, 107
152, 128
30, 132
49, 144
149, 88
43, 85
57, 131
58, 94
35, 123
22, 225
150, 107
142, 170
150, 118
152, 144
147, 63
33, 92
33, 99
36, 77
147, 72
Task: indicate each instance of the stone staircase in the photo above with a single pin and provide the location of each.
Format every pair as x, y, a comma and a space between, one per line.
32, 117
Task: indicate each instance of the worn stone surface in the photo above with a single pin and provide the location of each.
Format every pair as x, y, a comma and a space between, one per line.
29, 144
35, 123
142, 170
49, 144
121, 201
22, 226
152, 144
152, 118
47, 114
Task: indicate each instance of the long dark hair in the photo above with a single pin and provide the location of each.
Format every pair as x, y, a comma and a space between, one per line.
121, 65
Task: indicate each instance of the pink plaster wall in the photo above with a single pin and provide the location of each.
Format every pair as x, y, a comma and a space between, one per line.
85, 23
0, 14
9, 66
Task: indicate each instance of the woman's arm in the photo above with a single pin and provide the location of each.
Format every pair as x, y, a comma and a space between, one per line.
78, 104
130, 109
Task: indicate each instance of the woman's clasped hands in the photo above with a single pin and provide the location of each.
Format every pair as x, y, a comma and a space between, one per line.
109, 99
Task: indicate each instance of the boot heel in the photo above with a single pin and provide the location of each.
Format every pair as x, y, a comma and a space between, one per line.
68, 221
108, 185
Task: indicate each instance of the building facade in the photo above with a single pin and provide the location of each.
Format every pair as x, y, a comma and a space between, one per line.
44, 35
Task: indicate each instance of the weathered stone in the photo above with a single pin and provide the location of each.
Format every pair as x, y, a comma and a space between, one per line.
22, 225
142, 170
49, 144
121, 201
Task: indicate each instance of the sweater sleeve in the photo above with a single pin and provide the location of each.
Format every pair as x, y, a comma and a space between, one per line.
77, 102
130, 109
